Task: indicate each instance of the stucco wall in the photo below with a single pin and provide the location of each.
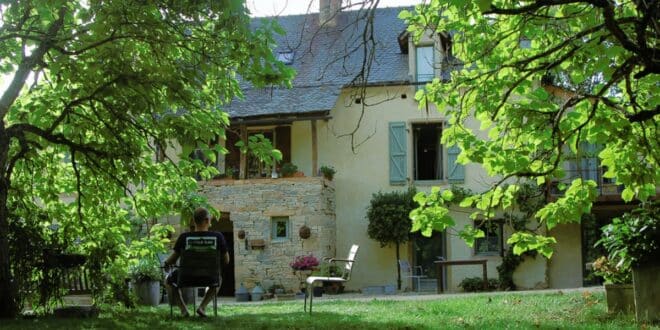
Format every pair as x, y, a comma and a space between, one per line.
365, 171
565, 267
252, 203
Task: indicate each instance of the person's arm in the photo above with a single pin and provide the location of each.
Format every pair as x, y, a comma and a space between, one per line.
171, 260
226, 258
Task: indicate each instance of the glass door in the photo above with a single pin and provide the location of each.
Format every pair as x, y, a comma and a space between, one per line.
426, 250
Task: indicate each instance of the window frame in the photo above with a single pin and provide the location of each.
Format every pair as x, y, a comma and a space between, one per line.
500, 233
274, 221
417, 66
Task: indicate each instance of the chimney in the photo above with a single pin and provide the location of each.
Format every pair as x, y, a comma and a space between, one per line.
328, 12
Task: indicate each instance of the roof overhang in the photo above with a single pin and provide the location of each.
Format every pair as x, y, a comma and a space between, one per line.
280, 118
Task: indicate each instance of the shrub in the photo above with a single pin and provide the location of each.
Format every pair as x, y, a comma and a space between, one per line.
328, 172
288, 169
615, 273
476, 284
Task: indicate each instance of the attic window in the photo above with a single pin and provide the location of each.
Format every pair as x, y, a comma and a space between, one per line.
285, 57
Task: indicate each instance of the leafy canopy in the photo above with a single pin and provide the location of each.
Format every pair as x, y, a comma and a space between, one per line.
545, 80
96, 89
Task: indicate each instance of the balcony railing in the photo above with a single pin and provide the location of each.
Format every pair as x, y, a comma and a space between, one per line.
606, 187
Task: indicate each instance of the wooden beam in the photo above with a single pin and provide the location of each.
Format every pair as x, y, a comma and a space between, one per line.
243, 162
315, 150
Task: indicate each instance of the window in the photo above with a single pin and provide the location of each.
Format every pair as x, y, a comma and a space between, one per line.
285, 57
280, 228
491, 245
430, 161
428, 158
424, 63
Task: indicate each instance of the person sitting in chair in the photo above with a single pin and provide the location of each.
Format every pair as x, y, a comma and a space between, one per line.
202, 219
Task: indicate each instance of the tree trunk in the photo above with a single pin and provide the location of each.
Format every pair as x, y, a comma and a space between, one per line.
8, 294
398, 268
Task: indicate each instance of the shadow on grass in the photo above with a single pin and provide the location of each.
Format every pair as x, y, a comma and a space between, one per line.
159, 319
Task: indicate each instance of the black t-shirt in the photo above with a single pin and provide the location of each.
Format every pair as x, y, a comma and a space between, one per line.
180, 244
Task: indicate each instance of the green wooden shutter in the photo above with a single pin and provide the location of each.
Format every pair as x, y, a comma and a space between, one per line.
398, 154
456, 171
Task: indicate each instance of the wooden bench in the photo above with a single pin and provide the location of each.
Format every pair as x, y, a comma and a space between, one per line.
71, 271
441, 264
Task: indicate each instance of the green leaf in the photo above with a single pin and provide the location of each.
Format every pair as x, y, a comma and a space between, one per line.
627, 194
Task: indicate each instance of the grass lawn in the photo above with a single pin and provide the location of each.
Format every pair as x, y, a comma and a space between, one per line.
511, 310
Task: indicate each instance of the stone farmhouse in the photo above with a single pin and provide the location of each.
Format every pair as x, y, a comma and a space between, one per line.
378, 139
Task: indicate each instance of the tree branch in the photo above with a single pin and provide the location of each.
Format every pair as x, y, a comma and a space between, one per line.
28, 63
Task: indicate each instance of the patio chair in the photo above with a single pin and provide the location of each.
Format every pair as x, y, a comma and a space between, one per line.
345, 277
199, 267
415, 273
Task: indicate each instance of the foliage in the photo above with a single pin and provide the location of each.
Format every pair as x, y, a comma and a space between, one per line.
95, 89
591, 81
633, 239
476, 284
329, 269
261, 148
146, 270
304, 262
328, 172
36, 287
144, 262
388, 216
288, 169
190, 202
613, 272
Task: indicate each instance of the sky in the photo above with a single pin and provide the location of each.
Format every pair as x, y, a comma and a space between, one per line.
292, 7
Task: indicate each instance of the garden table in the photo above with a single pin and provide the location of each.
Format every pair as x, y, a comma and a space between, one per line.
440, 264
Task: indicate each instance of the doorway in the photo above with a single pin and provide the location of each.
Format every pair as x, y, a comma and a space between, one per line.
427, 250
226, 227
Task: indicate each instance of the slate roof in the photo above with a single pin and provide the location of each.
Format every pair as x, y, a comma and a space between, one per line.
326, 60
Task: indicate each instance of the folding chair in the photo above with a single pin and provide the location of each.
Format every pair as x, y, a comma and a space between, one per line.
200, 265
410, 273
345, 277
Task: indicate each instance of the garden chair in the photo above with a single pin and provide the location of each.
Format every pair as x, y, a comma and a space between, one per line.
415, 273
200, 265
345, 277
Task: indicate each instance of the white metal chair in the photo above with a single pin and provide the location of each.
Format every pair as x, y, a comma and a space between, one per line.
416, 273
346, 275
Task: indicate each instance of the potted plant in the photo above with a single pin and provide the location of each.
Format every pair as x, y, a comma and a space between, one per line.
634, 239
144, 268
331, 270
618, 284
287, 170
303, 266
328, 172
146, 276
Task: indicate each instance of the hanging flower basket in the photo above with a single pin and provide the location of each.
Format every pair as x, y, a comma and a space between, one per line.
305, 232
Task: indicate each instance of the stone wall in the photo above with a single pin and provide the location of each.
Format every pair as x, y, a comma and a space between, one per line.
252, 203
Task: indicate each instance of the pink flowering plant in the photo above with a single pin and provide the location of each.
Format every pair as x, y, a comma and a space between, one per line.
304, 262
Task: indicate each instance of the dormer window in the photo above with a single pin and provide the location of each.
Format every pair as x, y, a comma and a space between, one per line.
285, 57
424, 63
